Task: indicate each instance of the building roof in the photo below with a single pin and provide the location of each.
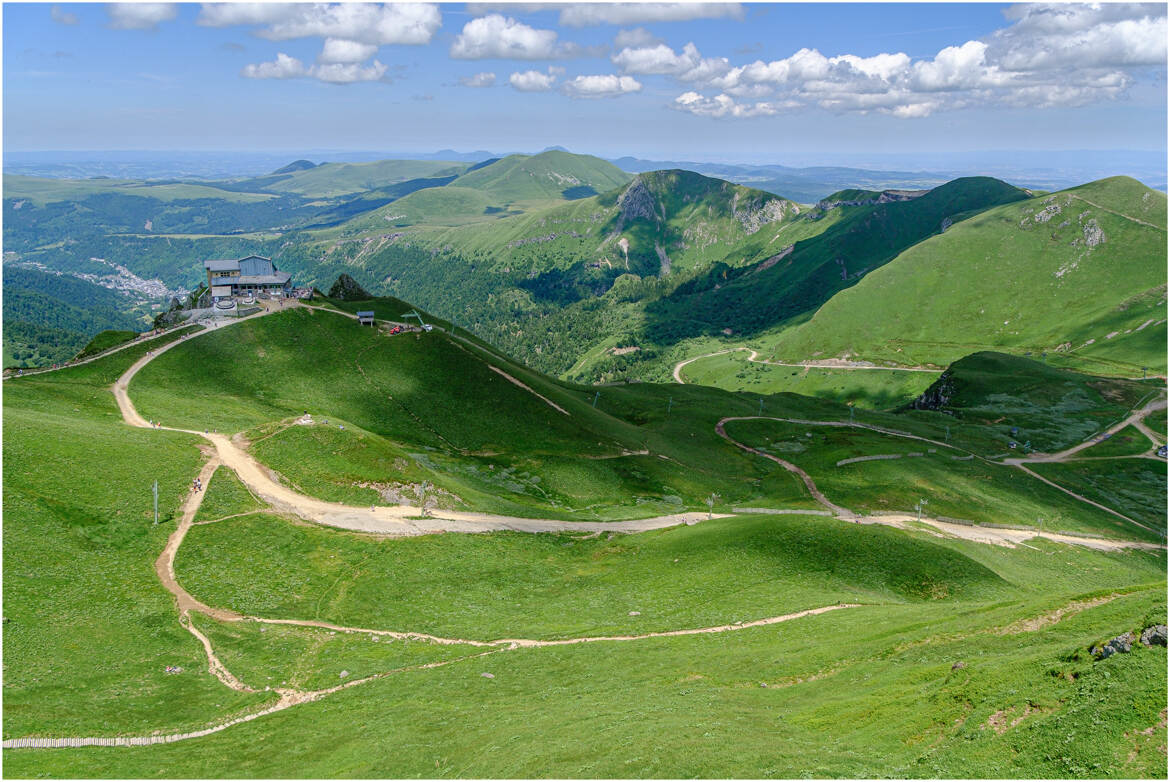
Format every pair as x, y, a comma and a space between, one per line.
366, 314
222, 265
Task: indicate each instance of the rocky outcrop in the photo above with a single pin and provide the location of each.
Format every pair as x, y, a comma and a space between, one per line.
1093, 233
937, 396
347, 289
1155, 635
637, 202
884, 197
755, 215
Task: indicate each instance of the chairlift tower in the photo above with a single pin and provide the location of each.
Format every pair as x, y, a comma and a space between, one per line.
413, 314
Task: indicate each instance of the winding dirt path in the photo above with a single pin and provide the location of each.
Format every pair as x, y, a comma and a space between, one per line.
992, 535
1119, 214
396, 521
825, 364
400, 520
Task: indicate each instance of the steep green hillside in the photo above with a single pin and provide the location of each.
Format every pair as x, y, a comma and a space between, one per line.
549, 176
48, 318
1081, 273
583, 271
817, 268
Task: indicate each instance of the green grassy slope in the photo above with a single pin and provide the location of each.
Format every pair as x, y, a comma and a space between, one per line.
548, 176
449, 205
40, 191
817, 268
558, 586
583, 271
426, 407
88, 630
1050, 407
1052, 273
871, 388
330, 180
957, 488
868, 691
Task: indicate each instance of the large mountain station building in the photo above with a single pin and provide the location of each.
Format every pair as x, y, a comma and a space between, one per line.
253, 274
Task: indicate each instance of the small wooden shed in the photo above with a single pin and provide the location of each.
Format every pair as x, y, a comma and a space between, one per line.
366, 317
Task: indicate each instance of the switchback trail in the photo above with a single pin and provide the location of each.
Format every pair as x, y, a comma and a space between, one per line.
288, 696
395, 521
994, 535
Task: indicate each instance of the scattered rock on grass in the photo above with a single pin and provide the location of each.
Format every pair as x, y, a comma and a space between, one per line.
960, 664
343, 674
1155, 635
1122, 643
635, 613
487, 675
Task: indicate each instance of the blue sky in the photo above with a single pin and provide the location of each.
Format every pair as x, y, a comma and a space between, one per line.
788, 83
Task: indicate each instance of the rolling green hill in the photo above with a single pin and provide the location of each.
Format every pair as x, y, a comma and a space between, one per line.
1080, 274
956, 658
548, 176
330, 180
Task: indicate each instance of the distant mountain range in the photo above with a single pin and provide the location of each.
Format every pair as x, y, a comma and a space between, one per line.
587, 271
1045, 169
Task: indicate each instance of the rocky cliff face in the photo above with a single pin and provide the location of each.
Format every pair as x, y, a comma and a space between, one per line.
758, 212
885, 197
937, 396
637, 202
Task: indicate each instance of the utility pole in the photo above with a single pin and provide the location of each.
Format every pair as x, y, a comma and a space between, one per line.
918, 507
595, 398
851, 414
761, 406
669, 404
948, 434
154, 491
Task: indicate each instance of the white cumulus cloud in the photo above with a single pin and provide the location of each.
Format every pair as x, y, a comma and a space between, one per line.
657, 59
283, 67
1057, 35
286, 67
723, 106
600, 86
341, 50
532, 81
485, 79
1049, 55
501, 37
140, 16
369, 23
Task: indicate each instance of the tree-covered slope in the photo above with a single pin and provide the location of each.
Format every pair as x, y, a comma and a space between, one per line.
48, 317
1082, 271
